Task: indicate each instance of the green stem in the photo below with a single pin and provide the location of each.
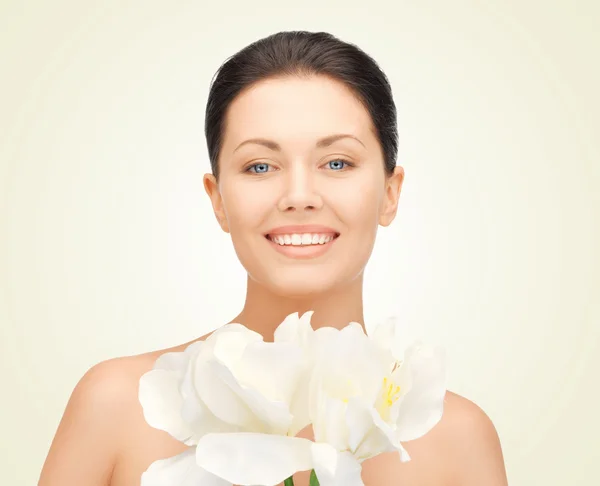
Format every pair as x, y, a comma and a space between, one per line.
313, 479
312, 482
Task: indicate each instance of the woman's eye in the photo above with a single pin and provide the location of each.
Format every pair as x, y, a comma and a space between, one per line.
260, 168
338, 164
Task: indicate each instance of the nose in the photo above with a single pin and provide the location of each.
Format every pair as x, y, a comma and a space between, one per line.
300, 191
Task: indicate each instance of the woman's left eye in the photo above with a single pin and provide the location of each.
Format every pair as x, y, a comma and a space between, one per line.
259, 168
337, 164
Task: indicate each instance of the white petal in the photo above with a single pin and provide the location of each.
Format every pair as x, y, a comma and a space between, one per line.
172, 361
365, 438
265, 415
295, 329
298, 330
231, 342
195, 413
177, 361
383, 438
404, 455
369, 434
202, 421
161, 402
271, 368
299, 405
332, 428
180, 470
350, 363
421, 408
272, 416
392, 336
221, 400
335, 468
248, 459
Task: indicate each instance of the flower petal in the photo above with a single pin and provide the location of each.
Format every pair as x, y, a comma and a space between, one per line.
210, 381
266, 415
180, 470
298, 330
295, 329
231, 342
332, 428
384, 434
421, 408
161, 402
195, 413
351, 364
299, 404
390, 335
271, 368
335, 468
249, 458
366, 436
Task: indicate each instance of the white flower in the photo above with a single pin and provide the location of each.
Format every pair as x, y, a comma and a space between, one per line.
231, 387
365, 401
240, 402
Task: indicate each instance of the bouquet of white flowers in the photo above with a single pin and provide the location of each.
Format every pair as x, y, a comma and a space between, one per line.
239, 402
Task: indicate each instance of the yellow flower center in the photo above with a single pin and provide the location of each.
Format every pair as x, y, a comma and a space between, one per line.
391, 392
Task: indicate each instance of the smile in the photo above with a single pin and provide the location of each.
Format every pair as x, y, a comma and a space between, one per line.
302, 239
302, 246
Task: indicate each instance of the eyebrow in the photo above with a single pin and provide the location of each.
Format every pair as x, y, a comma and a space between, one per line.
321, 143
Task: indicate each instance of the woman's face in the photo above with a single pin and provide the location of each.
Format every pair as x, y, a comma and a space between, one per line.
299, 175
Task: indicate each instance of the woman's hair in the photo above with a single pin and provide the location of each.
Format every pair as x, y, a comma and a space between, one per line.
302, 53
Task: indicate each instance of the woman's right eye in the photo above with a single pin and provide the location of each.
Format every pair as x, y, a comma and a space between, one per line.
260, 168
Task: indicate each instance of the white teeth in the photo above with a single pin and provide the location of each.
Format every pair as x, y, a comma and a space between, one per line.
304, 239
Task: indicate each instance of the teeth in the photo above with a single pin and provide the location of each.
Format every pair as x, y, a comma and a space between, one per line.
304, 239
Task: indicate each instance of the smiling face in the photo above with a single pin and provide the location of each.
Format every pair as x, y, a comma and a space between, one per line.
317, 161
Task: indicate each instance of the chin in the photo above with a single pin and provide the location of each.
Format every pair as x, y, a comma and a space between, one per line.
312, 283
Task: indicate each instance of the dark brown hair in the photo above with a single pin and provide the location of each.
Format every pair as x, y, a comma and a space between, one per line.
301, 53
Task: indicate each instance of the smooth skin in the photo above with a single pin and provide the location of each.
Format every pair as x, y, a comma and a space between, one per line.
284, 178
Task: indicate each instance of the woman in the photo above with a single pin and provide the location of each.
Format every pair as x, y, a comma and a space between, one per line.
302, 139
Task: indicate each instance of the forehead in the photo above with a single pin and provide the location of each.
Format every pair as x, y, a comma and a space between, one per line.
293, 110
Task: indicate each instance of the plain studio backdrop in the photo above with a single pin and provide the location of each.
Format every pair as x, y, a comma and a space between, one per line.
109, 247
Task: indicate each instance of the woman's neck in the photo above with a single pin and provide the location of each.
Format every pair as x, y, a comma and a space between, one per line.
263, 310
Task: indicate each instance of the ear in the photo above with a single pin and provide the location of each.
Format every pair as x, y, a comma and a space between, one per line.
393, 187
212, 189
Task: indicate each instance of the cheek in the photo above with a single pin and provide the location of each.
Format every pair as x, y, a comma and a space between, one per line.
357, 204
246, 207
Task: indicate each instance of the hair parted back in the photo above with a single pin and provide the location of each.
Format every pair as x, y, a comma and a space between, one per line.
302, 53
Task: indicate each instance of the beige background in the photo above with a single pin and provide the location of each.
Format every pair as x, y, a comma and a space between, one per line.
108, 245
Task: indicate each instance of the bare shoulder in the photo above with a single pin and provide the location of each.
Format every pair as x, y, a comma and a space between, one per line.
472, 443
85, 446
99, 418
462, 449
